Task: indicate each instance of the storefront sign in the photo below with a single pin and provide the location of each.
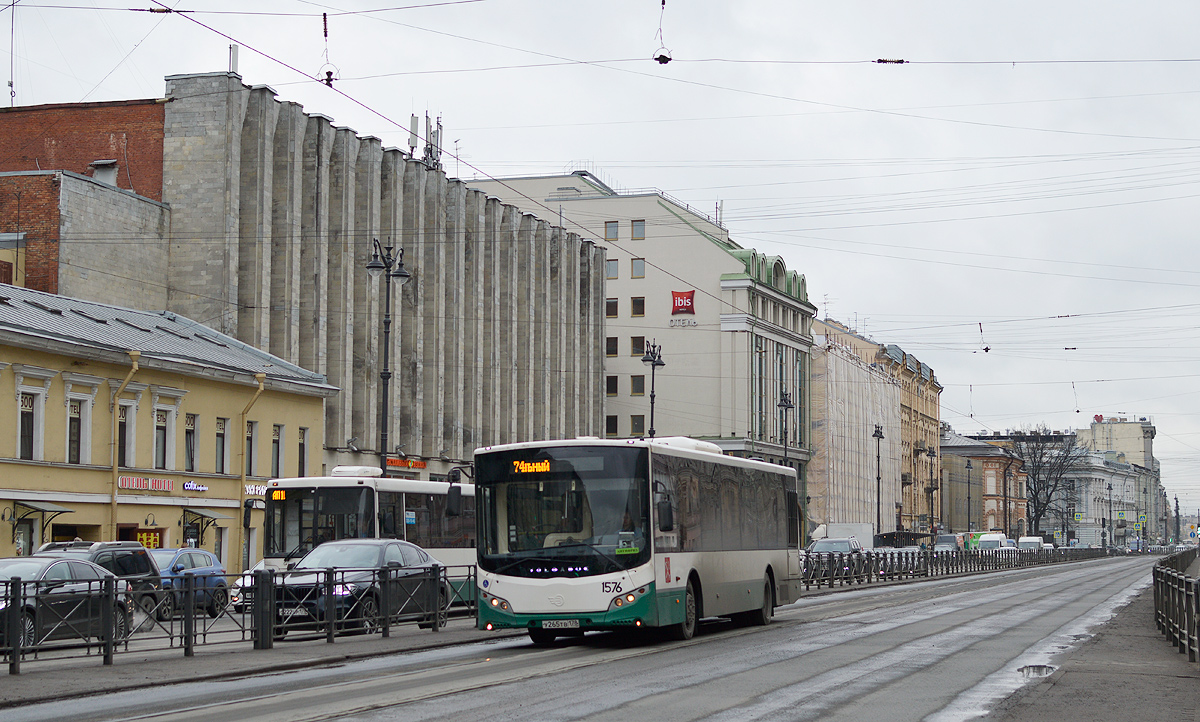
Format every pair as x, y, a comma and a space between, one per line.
406, 463
683, 323
150, 538
256, 489
144, 484
683, 302
193, 486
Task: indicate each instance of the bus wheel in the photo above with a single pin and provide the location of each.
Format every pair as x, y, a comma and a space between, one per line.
687, 628
763, 616
541, 636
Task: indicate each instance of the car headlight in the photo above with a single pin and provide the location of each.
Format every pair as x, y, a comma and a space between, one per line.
346, 590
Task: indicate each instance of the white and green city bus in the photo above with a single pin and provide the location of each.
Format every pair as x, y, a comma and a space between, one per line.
358, 502
593, 534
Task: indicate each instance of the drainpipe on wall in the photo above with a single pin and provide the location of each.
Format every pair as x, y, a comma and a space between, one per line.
116, 406
243, 531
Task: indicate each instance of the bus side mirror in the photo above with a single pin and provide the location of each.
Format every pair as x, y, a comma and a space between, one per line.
666, 515
454, 500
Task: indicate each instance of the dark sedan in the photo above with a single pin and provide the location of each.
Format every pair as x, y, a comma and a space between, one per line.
303, 598
62, 599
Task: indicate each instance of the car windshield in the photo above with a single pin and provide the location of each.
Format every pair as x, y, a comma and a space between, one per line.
23, 568
344, 556
830, 545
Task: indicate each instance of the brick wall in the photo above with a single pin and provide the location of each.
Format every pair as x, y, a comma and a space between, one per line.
29, 204
69, 137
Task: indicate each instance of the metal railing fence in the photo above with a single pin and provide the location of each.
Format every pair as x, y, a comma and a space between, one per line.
828, 569
99, 618
1177, 602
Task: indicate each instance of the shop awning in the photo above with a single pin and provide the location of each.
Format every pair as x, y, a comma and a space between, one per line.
204, 518
26, 509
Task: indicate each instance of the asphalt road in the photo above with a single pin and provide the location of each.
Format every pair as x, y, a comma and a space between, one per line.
945, 649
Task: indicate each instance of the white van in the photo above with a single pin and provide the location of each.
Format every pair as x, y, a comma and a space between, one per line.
1030, 542
991, 542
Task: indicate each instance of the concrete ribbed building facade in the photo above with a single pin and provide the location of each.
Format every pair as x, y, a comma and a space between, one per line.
498, 336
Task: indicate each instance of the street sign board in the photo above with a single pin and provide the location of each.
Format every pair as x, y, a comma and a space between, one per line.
1120, 515
1141, 517
1078, 516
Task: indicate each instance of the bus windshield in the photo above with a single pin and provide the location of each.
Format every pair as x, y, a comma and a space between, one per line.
299, 519
563, 511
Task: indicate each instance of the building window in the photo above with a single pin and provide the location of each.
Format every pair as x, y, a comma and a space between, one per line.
302, 454
610, 230
189, 442
610, 385
610, 426
74, 430
637, 346
276, 451
637, 230
611, 267
637, 385
610, 308
160, 439
28, 419
637, 268
610, 346
222, 461
124, 437
251, 433
637, 306
637, 425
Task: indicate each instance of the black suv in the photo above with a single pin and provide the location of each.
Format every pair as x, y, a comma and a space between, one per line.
127, 560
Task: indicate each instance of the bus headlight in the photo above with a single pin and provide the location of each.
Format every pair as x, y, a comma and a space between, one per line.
495, 602
627, 598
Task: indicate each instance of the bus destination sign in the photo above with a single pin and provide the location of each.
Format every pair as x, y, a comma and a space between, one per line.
530, 467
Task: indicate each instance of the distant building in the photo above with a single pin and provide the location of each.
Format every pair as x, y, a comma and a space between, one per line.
975, 499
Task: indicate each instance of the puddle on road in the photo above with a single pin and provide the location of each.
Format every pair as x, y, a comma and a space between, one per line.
1032, 671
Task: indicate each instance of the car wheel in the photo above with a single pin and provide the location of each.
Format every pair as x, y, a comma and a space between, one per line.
120, 624
687, 628
166, 607
541, 636
368, 615
218, 600
28, 630
145, 602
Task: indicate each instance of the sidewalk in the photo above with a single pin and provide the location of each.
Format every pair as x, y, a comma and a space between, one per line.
1126, 671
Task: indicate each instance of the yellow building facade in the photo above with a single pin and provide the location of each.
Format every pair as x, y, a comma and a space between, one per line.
168, 441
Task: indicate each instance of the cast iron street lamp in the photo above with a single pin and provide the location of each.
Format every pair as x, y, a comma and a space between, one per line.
878, 436
932, 453
382, 260
969, 467
1111, 537
785, 405
653, 359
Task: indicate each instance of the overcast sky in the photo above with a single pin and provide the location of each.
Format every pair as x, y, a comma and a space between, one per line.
1025, 183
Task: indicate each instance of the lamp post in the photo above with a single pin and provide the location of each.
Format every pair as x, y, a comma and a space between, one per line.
382, 260
653, 359
969, 467
1111, 537
932, 453
785, 405
1007, 481
878, 436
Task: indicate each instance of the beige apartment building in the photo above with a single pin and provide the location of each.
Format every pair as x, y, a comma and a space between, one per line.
197, 423
919, 507
733, 325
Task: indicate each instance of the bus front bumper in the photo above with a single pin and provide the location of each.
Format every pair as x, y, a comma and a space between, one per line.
622, 613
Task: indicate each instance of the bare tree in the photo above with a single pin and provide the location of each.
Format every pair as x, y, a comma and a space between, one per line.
1048, 460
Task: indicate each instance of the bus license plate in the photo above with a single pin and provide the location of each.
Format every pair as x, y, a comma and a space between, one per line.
560, 624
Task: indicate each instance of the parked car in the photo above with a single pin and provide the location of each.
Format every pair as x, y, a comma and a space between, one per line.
212, 590
128, 560
357, 595
63, 600
825, 555
241, 592
1030, 542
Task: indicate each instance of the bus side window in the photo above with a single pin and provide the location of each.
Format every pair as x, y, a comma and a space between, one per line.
389, 513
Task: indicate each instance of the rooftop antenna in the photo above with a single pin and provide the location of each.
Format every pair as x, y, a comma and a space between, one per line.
233, 59
412, 136
433, 144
